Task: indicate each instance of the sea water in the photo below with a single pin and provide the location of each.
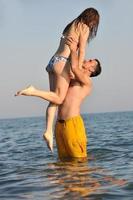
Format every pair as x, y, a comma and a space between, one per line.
28, 170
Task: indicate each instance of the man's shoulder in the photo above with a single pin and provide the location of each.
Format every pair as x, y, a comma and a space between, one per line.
86, 86
87, 81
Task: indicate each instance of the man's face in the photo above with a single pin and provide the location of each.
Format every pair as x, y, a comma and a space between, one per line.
90, 65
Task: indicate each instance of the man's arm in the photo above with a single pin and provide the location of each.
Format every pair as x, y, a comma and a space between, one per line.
79, 73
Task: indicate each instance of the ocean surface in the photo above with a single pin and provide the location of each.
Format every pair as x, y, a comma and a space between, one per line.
29, 171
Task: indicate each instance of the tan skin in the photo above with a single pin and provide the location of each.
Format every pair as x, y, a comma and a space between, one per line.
81, 29
59, 80
79, 88
80, 74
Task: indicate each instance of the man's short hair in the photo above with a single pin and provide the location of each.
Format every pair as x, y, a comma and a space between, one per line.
98, 69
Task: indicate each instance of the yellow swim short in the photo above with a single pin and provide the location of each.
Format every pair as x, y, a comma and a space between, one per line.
71, 138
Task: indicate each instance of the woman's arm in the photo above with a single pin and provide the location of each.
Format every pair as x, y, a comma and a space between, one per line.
83, 37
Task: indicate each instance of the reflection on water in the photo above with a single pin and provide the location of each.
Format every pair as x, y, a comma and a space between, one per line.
76, 179
29, 171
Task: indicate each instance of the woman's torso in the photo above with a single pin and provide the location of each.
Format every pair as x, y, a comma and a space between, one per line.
74, 32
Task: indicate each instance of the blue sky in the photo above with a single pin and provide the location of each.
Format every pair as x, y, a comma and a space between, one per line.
30, 31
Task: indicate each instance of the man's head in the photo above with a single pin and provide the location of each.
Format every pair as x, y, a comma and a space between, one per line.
93, 67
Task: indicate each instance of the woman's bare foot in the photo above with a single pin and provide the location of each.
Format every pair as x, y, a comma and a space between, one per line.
29, 91
48, 137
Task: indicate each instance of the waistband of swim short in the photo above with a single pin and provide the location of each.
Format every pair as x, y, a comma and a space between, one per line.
69, 119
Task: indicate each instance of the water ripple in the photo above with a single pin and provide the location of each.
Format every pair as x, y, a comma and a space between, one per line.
29, 171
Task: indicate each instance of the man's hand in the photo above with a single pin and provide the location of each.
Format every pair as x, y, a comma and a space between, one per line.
71, 43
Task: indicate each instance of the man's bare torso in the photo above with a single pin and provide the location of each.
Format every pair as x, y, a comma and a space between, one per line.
75, 96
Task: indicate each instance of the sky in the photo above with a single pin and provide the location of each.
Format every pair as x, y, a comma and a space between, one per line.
30, 31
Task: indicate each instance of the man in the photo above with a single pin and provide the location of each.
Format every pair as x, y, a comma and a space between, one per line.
69, 130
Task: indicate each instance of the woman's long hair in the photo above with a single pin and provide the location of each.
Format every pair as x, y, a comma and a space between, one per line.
90, 17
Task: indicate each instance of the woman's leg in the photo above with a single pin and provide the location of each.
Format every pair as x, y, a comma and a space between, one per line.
59, 82
45, 95
50, 115
60, 86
